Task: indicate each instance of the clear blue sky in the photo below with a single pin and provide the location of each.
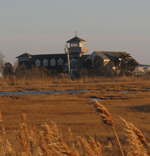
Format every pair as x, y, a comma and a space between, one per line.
43, 26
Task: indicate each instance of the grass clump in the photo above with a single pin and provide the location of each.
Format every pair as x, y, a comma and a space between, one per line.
49, 141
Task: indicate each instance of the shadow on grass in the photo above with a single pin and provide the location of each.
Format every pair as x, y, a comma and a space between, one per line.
142, 108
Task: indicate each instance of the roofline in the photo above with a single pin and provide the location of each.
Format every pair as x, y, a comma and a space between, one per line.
81, 40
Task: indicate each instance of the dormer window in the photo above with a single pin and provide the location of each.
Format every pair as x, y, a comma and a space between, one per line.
73, 60
60, 62
45, 62
53, 62
37, 63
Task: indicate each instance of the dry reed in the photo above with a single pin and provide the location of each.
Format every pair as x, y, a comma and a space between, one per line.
50, 141
23, 141
108, 119
43, 144
24, 117
0, 116
9, 149
36, 76
136, 140
106, 116
87, 146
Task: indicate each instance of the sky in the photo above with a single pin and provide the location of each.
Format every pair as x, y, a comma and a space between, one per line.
44, 26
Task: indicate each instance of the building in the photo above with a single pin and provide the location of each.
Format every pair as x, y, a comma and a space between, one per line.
74, 58
59, 62
142, 69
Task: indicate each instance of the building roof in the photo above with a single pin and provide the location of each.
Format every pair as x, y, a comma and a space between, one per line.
83, 57
50, 56
75, 40
114, 53
101, 54
24, 55
143, 65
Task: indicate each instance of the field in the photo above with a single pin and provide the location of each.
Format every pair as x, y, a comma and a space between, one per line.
128, 99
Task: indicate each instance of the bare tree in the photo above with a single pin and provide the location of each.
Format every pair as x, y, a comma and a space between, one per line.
1, 63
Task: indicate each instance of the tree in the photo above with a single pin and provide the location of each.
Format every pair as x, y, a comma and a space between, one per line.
20, 70
1, 62
97, 67
15, 65
127, 64
8, 69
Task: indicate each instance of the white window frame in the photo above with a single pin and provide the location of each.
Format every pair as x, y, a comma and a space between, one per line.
45, 62
60, 62
51, 62
38, 63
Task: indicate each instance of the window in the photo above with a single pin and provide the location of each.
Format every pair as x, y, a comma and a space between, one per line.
45, 62
37, 63
74, 44
52, 62
73, 60
81, 44
60, 62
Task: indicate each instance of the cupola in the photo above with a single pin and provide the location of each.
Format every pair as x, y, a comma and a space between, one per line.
76, 47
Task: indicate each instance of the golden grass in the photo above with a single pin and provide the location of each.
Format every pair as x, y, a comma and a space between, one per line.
136, 140
50, 142
78, 113
37, 76
92, 83
108, 119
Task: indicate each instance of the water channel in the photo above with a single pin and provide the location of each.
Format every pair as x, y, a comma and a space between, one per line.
42, 92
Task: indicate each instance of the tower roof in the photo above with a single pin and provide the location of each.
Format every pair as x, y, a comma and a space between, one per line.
75, 40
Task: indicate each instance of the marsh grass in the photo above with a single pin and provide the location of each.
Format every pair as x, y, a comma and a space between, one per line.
47, 142
50, 141
36, 76
138, 145
108, 119
78, 113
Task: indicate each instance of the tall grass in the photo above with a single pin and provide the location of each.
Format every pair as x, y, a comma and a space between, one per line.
36, 76
49, 141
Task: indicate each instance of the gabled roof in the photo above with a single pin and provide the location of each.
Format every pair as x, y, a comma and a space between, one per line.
97, 53
50, 56
83, 57
114, 53
75, 40
24, 55
102, 55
